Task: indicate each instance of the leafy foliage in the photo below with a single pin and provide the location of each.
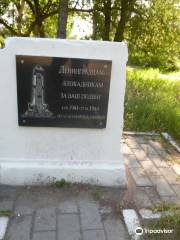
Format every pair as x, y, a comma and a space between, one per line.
153, 34
25, 17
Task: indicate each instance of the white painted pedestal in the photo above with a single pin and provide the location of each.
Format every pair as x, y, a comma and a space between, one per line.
37, 155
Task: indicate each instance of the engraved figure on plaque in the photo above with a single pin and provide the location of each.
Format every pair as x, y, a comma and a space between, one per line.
37, 107
62, 92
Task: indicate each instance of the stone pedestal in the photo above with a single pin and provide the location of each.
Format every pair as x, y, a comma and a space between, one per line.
40, 155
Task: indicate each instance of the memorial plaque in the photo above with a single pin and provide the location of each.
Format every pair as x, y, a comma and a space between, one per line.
62, 92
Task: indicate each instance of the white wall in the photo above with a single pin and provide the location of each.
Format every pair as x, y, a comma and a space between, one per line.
30, 155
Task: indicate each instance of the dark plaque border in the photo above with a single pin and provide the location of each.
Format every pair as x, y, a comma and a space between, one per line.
62, 92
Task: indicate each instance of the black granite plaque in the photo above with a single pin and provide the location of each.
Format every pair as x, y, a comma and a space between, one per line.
62, 92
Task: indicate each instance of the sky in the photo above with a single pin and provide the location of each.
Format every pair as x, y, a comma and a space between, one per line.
81, 28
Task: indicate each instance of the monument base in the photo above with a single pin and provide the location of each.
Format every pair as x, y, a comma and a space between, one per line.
78, 147
25, 172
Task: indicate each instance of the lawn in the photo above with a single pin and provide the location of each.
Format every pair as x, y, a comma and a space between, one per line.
170, 220
152, 103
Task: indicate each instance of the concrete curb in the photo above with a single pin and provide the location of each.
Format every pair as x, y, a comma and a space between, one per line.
140, 133
148, 214
132, 222
3, 226
168, 138
165, 135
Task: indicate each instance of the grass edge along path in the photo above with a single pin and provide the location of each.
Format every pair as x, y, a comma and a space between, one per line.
152, 103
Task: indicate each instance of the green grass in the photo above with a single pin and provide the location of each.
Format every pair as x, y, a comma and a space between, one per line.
165, 222
62, 183
170, 220
166, 206
152, 103
5, 213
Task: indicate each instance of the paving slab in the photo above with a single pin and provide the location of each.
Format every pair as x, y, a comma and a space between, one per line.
90, 216
159, 161
176, 188
141, 199
115, 229
45, 219
94, 235
140, 177
149, 150
158, 147
162, 186
105, 210
132, 143
24, 204
126, 149
170, 175
140, 154
23, 210
68, 227
68, 206
44, 236
131, 161
152, 194
176, 168
8, 193
19, 228
150, 168
141, 139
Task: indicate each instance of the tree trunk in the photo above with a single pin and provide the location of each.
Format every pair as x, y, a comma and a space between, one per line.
119, 36
38, 28
20, 9
41, 29
63, 17
127, 7
95, 23
107, 20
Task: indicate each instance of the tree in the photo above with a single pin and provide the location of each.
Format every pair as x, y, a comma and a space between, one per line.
98, 20
31, 17
153, 34
107, 19
63, 17
149, 26
127, 7
26, 17
110, 18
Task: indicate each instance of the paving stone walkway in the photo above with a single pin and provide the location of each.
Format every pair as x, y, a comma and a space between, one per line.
71, 213
82, 212
153, 170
